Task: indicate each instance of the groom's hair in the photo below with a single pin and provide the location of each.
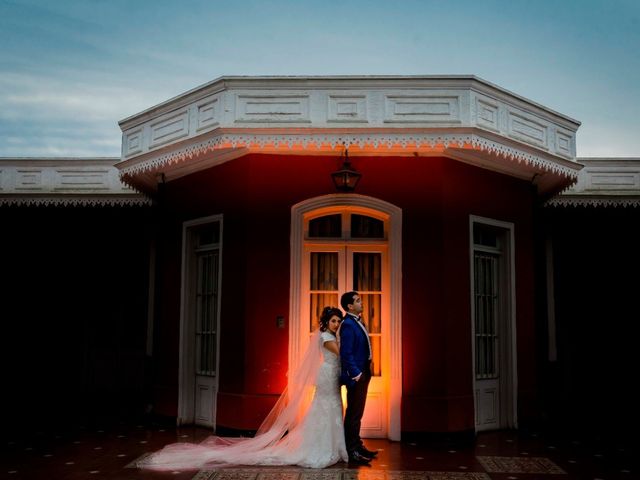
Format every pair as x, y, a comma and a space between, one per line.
346, 300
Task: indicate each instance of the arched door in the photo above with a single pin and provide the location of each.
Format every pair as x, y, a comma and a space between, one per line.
345, 242
345, 248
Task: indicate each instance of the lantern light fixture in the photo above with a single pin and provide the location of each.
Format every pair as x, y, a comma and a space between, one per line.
346, 178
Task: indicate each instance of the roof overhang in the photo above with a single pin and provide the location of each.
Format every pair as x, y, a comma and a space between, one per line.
461, 117
65, 182
604, 182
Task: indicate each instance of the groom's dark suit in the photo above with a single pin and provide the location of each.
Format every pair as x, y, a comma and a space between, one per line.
355, 355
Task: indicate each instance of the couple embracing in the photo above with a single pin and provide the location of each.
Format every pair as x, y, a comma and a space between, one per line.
297, 431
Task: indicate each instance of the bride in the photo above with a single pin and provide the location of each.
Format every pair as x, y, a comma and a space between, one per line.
304, 427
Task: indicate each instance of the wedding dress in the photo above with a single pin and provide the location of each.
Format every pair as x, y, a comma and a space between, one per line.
304, 427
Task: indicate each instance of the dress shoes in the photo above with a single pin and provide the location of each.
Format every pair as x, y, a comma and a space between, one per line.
370, 454
356, 458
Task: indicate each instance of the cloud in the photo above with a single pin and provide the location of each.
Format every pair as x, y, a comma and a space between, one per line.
70, 70
51, 116
26, 96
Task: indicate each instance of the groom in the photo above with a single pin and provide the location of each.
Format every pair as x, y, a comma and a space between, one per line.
355, 354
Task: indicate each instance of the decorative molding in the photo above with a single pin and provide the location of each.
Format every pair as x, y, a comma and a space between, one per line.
65, 182
132, 142
74, 201
565, 143
347, 109
377, 85
422, 109
81, 179
599, 179
169, 128
318, 104
527, 129
564, 201
603, 182
274, 108
28, 179
208, 113
487, 114
462, 117
393, 143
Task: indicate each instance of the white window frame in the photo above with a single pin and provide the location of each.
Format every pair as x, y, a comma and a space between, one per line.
186, 370
508, 253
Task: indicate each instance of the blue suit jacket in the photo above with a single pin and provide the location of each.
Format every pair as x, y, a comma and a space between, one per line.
354, 350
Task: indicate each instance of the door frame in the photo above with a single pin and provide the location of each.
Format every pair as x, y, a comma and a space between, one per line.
186, 368
509, 384
393, 215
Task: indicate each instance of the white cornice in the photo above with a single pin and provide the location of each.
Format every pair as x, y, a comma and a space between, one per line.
74, 201
356, 104
578, 201
57, 161
346, 82
473, 146
603, 182
64, 181
451, 115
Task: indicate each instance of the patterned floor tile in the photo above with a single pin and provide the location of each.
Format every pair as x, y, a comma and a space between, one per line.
27, 457
405, 475
364, 474
326, 474
519, 465
457, 476
278, 475
332, 474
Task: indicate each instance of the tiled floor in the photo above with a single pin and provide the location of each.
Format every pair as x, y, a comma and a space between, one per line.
108, 452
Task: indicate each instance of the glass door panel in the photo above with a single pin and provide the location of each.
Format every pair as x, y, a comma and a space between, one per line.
367, 281
486, 314
206, 312
324, 285
340, 257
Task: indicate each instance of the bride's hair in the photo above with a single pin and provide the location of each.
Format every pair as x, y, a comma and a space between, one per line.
327, 313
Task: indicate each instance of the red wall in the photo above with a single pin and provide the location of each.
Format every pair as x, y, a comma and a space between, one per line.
255, 193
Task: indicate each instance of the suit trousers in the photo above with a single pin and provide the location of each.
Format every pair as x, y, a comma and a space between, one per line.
356, 399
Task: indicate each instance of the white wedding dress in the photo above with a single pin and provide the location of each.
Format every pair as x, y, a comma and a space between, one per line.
294, 433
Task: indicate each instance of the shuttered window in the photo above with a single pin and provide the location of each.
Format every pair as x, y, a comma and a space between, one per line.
486, 314
207, 291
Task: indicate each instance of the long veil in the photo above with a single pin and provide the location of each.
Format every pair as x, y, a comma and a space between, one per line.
277, 440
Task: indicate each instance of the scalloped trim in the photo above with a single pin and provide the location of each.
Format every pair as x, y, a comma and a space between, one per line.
319, 141
593, 202
75, 202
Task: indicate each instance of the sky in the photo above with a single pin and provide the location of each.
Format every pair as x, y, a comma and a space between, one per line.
71, 69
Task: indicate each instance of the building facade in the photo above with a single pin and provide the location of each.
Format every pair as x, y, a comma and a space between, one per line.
224, 235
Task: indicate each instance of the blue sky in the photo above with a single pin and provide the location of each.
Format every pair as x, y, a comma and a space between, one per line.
70, 69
